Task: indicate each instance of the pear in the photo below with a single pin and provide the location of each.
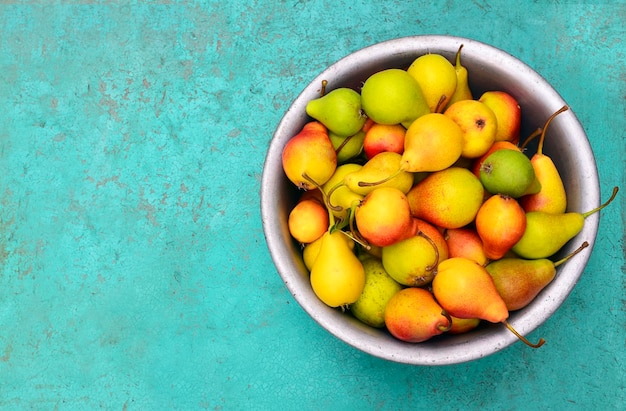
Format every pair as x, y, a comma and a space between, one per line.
432, 142
312, 250
547, 233
551, 198
337, 276
518, 280
411, 261
437, 79
309, 158
448, 198
462, 90
347, 148
508, 114
433, 233
498, 145
392, 96
339, 110
463, 325
341, 199
379, 168
308, 221
466, 290
509, 172
479, 125
379, 287
383, 137
500, 223
413, 315
383, 217
465, 242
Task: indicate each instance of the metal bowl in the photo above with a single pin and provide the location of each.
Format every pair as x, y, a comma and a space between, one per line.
489, 69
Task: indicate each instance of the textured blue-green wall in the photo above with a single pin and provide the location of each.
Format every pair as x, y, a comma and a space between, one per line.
133, 269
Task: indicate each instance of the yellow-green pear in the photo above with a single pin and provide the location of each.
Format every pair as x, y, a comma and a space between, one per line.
375, 174
378, 290
349, 147
392, 96
462, 90
437, 79
339, 110
341, 199
412, 261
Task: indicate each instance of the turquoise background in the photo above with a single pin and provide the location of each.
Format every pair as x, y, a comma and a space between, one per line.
134, 271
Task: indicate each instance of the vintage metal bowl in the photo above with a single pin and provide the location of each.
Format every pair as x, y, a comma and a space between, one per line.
489, 69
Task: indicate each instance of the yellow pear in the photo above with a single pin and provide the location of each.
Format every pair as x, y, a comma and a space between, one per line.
437, 79
462, 91
340, 197
479, 125
378, 168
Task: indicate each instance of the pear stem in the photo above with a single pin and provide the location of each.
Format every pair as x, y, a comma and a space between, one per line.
343, 144
449, 326
432, 243
521, 337
323, 91
595, 210
545, 128
440, 104
567, 257
330, 193
326, 198
531, 137
384, 180
458, 56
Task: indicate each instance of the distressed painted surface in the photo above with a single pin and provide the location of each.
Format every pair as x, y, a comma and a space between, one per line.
134, 273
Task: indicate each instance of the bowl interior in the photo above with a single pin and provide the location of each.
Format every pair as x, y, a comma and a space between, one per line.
489, 69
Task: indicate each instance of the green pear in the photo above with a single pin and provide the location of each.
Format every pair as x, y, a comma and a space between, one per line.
547, 233
518, 280
376, 172
378, 290
509, 172
412, 261
349, 147
339, 110
341, 199
392, 96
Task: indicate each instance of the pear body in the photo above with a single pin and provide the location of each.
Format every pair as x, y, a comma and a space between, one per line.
465, 242
379, 167
466, 290
339, 110
551, 198
413, 315
437, 79
508, 172
392, 96
479, 125
547, 233
337, 276
308, 221
462, 90
411, 261
500, 223
448, 198
384, 217
432, 142
309, 152
518, 281
342, 197
508, 114
312, 250
378, 290
347, 148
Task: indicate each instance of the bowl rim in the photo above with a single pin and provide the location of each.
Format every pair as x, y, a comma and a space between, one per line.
466, 347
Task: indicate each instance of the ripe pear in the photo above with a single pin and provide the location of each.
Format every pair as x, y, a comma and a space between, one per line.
437, 79
551, 198
435, 234
413, 315
432, 142
392, 96
347, 148
383, 137
465, 289
547, 233
309, 158
378, 168
508, 114
339, 110
411, 261
518, 280
384, 216
337, 275
307, 221
463, 325
312, 250
465, 242
340, 198
462, 90
509, 172
448, 198
479, 125
500, 223
378, 290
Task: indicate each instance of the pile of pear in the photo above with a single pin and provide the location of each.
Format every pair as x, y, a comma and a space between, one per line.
420, 211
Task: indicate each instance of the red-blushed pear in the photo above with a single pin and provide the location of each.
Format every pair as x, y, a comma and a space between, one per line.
479, 125
337, 276
448, 198
500, 223
465, 289
383, 137
551, 198
383, 217
498, 145
308, 221
413, 315
508, 114
309, 158
465, 242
